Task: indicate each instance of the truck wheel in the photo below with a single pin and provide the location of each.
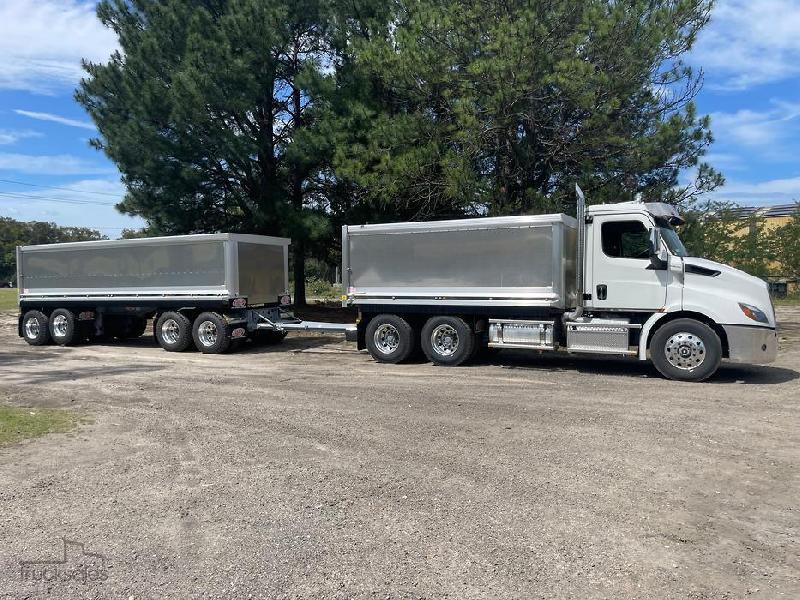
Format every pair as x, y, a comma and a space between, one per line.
173, 332
62, 327
390, 339
686, 350
447, 341
35, 328
210, 332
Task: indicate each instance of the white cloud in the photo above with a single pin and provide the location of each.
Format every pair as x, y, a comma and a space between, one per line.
42, 43
8, 136
40, 116
774, 191
771, 131
750, 43
85, 203
61, 164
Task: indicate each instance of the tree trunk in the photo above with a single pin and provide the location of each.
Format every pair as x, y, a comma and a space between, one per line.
298, 244
299, 255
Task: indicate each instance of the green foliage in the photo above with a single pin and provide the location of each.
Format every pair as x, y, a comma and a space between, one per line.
785, 245
208, 111
320, 288
17, 233
722, 231
497, 106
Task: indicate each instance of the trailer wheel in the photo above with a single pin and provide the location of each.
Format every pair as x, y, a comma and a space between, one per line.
211, 333
447, 341
173, 332
63, 327
390, 339
686, 350
35, 328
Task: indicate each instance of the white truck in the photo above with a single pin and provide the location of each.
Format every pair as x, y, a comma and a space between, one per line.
616, 280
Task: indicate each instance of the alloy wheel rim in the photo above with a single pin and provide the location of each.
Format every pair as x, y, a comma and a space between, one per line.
685, 351
207, 333
444, 340
387, 338
60, 326
170, 331
32, 328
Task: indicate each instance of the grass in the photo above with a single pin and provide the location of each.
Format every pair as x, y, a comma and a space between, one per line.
8, 298
17, 424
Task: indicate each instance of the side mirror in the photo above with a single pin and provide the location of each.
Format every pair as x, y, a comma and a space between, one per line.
658, 258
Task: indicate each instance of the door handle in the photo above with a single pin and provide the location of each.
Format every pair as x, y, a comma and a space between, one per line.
602, 291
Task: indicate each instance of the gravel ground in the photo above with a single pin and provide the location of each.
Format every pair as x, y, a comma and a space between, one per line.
308, 471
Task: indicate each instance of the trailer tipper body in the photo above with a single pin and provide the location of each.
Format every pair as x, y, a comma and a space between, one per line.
207, 290
615, 280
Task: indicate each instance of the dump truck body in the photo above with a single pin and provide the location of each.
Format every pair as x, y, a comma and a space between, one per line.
526, 261
204, 268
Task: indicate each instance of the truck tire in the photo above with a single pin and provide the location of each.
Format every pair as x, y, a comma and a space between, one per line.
447, 341
63, 327
173, 331
36, 328
390, 339
211, 333
686, 350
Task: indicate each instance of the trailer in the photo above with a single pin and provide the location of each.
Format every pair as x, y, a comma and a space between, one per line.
615, 280
208, 290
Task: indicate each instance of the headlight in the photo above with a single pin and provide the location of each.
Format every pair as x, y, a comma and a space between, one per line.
756, 314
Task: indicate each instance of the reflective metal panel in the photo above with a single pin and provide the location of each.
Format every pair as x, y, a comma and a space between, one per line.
195, 264
513, 257
261, 272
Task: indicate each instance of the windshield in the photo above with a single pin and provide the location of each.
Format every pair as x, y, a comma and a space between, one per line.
671, 239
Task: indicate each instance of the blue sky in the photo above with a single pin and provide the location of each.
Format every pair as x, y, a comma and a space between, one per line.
750, 55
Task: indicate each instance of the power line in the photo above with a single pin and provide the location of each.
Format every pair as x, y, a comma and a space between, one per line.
61, 200
52, 187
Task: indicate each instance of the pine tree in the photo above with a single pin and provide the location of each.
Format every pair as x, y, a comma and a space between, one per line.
208, 111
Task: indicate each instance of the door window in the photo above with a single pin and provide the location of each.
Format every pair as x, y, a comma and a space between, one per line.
626, 239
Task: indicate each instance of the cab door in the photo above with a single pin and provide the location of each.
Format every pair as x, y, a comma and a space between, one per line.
623, 277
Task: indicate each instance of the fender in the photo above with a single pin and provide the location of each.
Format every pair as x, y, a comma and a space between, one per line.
656, 317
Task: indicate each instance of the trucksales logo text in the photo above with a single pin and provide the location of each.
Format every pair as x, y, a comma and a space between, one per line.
75, 566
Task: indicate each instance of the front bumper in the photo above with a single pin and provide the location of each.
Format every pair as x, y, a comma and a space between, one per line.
754, 345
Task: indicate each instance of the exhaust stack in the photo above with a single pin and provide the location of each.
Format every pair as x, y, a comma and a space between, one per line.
579, 256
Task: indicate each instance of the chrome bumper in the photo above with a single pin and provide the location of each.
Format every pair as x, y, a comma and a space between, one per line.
754, 345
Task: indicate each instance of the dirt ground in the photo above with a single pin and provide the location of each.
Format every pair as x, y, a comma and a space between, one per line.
308, 471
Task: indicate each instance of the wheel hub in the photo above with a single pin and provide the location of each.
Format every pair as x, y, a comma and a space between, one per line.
387, 338
207, 333
32, 328
60, 326
171, 331
444, 340
685, 351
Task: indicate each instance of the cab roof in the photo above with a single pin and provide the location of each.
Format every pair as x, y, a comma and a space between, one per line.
657, 209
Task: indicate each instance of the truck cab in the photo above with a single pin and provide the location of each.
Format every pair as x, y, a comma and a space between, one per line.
636, 266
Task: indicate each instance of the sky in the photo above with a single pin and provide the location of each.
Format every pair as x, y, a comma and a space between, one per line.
749, 55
